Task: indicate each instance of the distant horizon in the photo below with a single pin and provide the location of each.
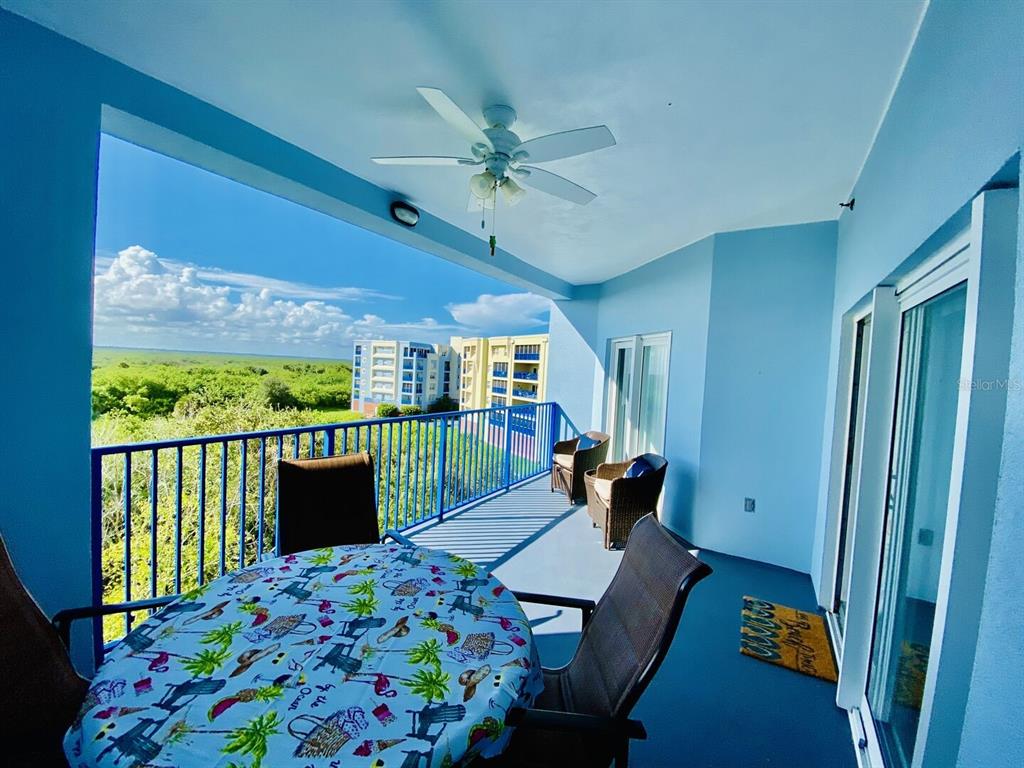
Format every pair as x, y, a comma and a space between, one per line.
119, 347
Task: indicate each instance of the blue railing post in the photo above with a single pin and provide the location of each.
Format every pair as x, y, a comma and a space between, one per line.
442, 457
556, 423
506, 472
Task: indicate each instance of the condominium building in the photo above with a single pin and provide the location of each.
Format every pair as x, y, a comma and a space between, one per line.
403, 373
501, 370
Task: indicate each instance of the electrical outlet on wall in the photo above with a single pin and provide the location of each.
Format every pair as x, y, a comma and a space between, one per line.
748, 504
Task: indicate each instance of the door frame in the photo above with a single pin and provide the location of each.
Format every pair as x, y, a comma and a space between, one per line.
984, 254
637, 342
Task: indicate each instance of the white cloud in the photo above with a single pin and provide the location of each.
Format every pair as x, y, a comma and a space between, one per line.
144, 300
286, 289
141, 299
491, 313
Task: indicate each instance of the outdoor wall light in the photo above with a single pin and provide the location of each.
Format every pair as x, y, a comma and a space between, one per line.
404, 213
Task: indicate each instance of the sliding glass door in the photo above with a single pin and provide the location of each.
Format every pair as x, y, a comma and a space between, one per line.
931, 347
851, 470
637, 394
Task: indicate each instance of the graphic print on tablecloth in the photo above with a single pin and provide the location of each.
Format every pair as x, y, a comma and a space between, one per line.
368, 655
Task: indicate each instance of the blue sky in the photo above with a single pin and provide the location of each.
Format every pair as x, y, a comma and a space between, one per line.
186, 259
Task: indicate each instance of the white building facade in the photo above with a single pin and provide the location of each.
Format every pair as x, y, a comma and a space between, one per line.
402, 373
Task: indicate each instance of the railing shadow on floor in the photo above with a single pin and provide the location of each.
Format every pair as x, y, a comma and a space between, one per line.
497, 529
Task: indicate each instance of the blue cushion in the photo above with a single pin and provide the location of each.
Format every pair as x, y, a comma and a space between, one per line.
638, 468
585, 441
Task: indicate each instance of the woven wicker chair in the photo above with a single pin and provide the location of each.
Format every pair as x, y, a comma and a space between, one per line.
581, 718
41, 692
615, 502
569, 465
323, 502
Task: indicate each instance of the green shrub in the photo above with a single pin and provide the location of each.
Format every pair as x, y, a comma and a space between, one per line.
443, 404
411, 410
276, 393
388, 411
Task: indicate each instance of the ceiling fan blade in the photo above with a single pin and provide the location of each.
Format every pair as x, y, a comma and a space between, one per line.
555, 146
553, 184
452, 114
425, 160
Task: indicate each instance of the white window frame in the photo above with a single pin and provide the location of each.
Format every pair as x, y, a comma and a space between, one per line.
636, 344
983, 256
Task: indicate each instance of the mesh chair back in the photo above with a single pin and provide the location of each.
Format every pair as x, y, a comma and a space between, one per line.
326, 502
41, 692
633, 625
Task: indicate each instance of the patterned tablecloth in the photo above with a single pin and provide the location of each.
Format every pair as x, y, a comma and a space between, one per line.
351, 656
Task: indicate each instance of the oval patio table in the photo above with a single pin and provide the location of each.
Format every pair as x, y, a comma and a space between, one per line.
374, 655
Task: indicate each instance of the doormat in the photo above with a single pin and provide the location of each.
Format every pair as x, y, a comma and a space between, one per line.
913, 666
787, 637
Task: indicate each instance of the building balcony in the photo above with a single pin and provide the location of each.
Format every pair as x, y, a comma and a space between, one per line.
527, 356
524, 394
526, 375
476, 485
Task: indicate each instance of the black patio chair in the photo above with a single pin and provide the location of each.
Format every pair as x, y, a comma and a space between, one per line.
324, 502
582, 715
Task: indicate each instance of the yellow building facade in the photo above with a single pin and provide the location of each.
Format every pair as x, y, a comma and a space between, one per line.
502, 370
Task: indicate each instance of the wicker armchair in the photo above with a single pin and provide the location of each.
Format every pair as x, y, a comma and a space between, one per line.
568, 465
615, 503
581, 718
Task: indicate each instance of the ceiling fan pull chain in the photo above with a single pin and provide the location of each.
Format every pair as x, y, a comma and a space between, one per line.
494, 220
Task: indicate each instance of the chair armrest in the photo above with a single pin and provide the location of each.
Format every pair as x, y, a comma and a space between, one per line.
398, 538
612, 471
553, 720
566, 446
585, 606
62, 619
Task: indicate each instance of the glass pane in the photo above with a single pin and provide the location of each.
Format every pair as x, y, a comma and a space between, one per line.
930, 351
847, 519
653, 391
621, 395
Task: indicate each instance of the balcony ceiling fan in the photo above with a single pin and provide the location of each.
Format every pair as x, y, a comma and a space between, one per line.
504, 155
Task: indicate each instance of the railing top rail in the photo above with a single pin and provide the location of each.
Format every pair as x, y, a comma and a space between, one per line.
108, 450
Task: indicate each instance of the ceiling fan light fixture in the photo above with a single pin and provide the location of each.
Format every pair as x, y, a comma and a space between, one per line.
482, 185
512, 192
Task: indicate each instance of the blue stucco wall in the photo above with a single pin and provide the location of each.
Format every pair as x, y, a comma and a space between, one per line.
49, 146
764, 392
749, 314
576, 368
670, 294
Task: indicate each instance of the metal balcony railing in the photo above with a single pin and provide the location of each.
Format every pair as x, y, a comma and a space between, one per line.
526, 375
527, 356
528, 393
168, 516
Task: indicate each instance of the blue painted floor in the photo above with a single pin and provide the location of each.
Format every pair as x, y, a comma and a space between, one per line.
709, 706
